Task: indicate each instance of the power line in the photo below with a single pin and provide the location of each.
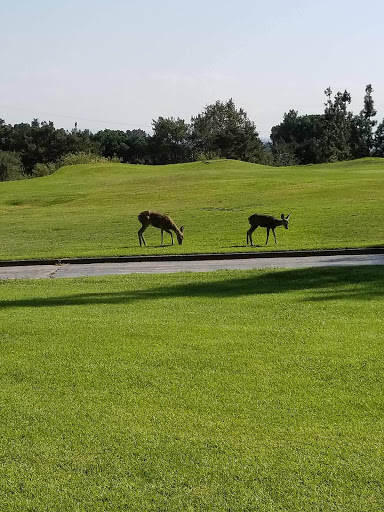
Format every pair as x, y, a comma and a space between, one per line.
77, 118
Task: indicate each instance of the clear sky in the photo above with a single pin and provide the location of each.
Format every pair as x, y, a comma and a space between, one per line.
120, 63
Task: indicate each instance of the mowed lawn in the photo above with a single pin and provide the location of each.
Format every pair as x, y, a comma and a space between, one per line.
91, 210
240, 391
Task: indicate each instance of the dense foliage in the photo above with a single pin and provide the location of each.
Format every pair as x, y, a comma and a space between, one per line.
219, 131
297, 139
171, 141
11, 166
129, 146
336, 135
222, 130
42, 142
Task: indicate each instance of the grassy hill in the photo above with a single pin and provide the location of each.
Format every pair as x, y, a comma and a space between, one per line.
91, 210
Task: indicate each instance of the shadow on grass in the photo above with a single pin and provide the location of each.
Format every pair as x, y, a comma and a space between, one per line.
245, 245
317, 284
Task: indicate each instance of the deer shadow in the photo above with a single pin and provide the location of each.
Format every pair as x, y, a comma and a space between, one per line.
159, 246
318, 284
242, 246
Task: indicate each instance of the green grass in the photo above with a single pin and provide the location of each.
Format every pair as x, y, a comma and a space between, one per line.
91, 210
240, 391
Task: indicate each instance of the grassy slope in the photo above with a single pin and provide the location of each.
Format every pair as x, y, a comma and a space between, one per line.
92, 209
232, 391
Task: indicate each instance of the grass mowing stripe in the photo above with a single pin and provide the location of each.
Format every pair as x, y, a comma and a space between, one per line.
257, 390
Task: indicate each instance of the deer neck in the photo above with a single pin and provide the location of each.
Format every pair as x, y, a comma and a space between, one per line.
175, 229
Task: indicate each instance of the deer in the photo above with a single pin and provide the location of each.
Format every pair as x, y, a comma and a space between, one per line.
265, 221
161, 221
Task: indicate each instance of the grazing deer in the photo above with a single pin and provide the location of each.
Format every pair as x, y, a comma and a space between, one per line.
265, 221
161, 221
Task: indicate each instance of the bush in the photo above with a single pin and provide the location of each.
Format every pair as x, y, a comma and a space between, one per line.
70, 159
83, 158
11, 167
204, 156
44, 169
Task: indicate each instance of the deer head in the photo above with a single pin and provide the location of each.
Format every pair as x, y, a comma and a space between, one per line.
285, 220
180, 235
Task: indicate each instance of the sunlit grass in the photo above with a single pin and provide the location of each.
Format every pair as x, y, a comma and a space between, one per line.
257, 390
91, 210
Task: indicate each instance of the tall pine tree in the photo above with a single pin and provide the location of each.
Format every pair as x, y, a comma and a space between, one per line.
337, 121
362, 127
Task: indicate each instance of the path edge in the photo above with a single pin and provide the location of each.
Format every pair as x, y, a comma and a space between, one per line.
195, 256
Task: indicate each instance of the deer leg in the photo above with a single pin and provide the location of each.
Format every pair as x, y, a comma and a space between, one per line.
162, 234
274, 234
249, 234
267, 235
141, 236
170, 233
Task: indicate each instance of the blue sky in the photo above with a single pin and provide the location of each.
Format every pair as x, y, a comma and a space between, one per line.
120, 64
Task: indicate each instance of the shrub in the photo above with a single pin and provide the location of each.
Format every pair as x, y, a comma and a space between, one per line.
70, 159
204, 156
83, 158
44, 169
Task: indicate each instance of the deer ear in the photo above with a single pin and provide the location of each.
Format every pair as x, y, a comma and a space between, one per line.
287, 217
282, 216
182, 229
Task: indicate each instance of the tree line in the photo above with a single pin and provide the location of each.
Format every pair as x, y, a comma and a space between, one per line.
219, 131
333, 136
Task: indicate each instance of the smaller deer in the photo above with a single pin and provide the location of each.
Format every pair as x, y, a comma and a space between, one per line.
265, 221
161, 221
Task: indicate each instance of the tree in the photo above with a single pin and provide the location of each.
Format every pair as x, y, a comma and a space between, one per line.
138, 142
362, 127
5, 133
282, 154
129, 146
41, 143
228, 132
378, 141
297, 139
170, 143
336, 136
112, 143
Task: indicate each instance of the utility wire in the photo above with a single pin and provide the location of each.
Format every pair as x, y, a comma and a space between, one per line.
77, 118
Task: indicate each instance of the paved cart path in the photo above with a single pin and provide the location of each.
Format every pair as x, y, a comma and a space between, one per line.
164, 267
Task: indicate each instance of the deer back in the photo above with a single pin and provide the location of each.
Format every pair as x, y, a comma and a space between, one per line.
157, 220
264, 221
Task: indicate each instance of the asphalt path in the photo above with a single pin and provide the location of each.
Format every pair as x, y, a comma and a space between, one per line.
167, 267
